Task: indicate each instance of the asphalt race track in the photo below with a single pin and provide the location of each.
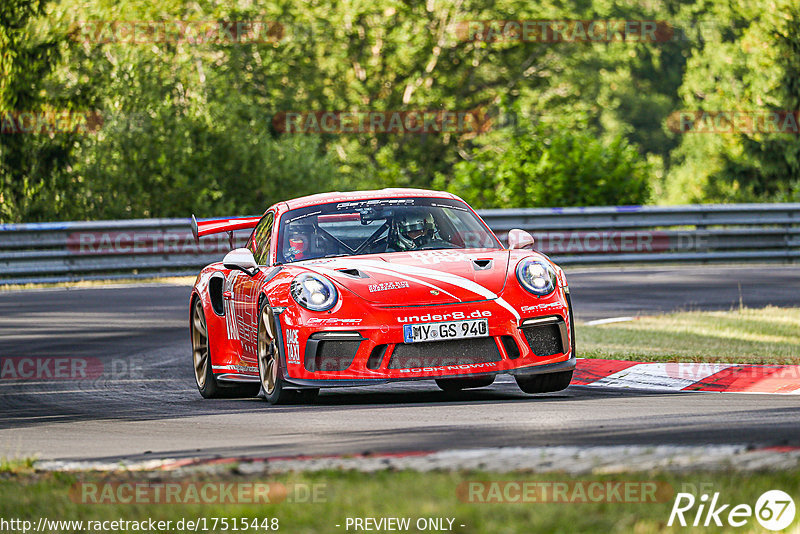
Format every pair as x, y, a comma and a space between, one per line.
147, 406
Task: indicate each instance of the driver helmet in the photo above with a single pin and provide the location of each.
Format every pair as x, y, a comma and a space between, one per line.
414, 229
298, 244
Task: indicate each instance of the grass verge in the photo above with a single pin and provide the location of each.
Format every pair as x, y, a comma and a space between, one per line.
759, 336
339, 495
16, 465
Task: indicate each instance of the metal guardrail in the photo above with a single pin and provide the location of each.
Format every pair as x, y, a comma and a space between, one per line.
640, 234
55, 252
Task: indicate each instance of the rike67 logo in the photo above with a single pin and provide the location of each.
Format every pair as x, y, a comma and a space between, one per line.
774, 510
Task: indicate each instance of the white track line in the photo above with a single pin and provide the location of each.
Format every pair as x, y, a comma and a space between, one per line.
598, 322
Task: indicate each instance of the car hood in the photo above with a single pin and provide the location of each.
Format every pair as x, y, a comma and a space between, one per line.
420, 277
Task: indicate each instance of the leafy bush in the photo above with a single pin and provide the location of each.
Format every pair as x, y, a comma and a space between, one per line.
551, 165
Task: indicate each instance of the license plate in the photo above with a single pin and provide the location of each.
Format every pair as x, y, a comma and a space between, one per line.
415, 333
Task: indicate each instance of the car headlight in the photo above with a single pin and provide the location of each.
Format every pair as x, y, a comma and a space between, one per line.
536, 276
314, 292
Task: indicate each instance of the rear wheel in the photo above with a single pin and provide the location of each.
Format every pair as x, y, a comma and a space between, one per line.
207, 384
270, 370
546, 383
457, 384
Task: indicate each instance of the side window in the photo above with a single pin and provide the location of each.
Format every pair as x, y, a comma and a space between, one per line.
468, 232
262, 237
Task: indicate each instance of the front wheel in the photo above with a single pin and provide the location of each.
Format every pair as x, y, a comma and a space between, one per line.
270, 371
546, 383
457, 384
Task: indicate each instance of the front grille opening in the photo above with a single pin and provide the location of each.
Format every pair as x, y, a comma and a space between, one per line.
444, 353
544, 340
376, 357
330, 355
510, 344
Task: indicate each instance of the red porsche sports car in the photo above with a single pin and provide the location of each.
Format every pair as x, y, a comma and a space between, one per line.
368, 287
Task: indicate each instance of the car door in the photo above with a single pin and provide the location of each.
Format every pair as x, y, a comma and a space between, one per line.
244, 289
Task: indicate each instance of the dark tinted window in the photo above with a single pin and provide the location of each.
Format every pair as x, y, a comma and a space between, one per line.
380, 226
262, 237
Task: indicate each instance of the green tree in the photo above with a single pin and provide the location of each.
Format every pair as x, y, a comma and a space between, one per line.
551, 165
749, 62
33, 179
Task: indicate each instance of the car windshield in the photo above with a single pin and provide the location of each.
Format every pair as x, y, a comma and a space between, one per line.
378, 226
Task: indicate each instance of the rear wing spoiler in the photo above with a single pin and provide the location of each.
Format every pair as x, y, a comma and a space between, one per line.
217, 226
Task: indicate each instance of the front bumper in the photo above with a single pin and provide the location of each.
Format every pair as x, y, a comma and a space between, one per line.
566, 365
339, 350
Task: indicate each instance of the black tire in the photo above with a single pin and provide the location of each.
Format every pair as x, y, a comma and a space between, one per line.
457, 384
550, 382
546, 383
270, 366
207, 383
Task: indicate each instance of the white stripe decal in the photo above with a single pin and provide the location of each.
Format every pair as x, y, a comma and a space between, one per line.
458, 281
402, 271
230, 315
404, 277
455, 280
234, 330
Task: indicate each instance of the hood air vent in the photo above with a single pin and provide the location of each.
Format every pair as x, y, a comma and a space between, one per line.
355, 273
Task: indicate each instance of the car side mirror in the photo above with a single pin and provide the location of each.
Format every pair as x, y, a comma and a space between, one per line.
519, 239
241, 259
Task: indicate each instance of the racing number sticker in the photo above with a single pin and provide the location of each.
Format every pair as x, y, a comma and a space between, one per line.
292, 346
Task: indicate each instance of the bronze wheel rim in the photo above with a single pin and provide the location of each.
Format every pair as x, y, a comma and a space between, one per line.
267, 366
199, 345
